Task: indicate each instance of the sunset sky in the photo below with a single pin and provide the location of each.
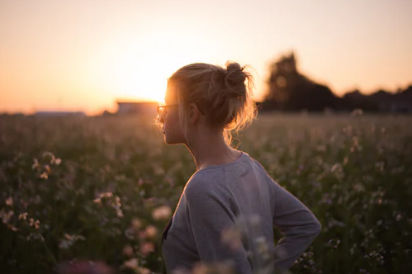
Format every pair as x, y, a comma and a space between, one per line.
85, 54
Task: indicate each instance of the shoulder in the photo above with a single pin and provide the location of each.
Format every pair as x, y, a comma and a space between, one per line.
257, 165
260, 169
199, 184
204, 186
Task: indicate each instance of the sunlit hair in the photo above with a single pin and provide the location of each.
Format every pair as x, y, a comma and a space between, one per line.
222, 94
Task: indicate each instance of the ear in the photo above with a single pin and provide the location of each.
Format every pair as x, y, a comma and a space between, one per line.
194, 113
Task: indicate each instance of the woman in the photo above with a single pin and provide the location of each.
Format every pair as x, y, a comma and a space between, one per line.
203, 104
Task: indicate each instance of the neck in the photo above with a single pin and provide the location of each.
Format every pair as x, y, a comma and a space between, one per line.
210, 149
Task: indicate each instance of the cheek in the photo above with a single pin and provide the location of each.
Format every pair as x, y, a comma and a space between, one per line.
171, 120
173, 132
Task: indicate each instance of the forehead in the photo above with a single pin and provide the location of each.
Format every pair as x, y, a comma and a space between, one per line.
171, 93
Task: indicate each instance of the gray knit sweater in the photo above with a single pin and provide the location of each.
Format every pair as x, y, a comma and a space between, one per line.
212, 201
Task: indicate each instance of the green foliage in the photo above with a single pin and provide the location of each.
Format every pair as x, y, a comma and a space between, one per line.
102, 189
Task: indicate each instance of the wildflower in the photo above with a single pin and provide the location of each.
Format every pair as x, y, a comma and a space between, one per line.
336, 167
144, 270
44, 175
98, 200
215, 268
128, 251
6, 216
35, 236
82, 267
119, 213
353, 248
106, 195
35, 164
12, 228
142, 235
261, 244
130, 233
56, 161
151, 231
232, 237
37, 199
35, 224
333, 243
69, 240
136, 223
161, 213
23, 216
146, 248
170, 181
380, 166
132, 263
9, 201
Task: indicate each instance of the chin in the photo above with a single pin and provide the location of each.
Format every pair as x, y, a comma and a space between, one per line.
171, 141
167, 140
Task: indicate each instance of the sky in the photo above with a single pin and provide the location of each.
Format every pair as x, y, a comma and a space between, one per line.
83, 55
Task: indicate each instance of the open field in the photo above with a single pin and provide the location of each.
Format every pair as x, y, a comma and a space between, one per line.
103, 189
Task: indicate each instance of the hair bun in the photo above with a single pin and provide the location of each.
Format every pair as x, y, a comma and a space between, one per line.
235, 80
233, 66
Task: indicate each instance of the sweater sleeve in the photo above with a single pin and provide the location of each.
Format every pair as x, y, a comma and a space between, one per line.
297, 224
209, 215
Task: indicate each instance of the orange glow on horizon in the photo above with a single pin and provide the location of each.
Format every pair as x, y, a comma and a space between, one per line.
71, 55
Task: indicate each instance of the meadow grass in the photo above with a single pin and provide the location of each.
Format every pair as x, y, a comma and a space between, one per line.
103, 189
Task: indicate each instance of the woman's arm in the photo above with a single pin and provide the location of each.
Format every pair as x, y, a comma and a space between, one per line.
296, 222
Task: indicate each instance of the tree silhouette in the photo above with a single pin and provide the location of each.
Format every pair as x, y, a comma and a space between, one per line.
290, 90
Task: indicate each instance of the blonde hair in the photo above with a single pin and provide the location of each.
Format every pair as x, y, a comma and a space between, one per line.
222, 94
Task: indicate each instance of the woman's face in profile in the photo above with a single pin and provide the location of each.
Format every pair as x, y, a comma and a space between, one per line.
171, 128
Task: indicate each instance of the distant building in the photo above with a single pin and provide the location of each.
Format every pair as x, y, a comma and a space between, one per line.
136, 107
59, 113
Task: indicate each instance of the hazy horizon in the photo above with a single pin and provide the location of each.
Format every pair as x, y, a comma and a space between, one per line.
76, 55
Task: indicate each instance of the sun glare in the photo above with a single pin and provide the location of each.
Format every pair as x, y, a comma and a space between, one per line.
140, 71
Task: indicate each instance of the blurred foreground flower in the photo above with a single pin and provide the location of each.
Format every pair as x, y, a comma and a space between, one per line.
162, 213
84, 267
233, 238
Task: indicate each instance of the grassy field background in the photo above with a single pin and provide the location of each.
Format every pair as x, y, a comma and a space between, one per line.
103, 189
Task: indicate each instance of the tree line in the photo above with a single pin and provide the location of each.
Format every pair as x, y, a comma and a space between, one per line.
290, 90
